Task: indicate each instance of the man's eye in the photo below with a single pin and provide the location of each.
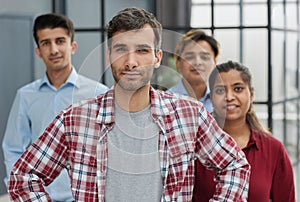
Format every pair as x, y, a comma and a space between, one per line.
189, 58
60, 41
120, 50
45, 43
205, 57
143, 50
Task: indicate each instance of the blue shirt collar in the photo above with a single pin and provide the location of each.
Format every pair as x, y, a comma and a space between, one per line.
183, 89
70, 81
206, 95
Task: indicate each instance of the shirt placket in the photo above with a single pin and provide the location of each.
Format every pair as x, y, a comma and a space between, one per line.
102, 160
164, 158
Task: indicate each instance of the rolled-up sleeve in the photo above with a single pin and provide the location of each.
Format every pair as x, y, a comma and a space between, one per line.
217, 150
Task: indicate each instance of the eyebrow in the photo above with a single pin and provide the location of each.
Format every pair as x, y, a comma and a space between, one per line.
58, 38
120, 45
193, 52
219, 86
239, 83
144, 46
235, 84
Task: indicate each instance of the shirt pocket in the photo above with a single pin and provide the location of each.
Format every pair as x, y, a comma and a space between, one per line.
83, 172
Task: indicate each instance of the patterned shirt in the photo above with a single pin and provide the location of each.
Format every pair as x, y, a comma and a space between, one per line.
77, 140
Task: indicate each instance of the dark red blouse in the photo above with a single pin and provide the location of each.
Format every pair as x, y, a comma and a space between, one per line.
271, 173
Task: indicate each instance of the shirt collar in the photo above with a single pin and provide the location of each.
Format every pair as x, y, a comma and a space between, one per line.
106, 107
72, 80
182, 88
158, 105
206, 95
253, 142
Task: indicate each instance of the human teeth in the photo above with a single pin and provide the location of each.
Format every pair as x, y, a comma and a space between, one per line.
230, 107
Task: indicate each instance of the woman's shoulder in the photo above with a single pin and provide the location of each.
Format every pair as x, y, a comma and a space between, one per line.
269, 140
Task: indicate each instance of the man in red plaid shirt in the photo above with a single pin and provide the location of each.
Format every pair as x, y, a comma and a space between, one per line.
133, 143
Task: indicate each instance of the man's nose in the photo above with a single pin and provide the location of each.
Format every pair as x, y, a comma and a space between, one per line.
131, 61
53, 48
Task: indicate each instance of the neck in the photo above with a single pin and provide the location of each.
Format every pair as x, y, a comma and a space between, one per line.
195, 90
132, 101
239, 130
58, 77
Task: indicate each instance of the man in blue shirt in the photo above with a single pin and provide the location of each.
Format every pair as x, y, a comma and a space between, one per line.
36, 104
196, 55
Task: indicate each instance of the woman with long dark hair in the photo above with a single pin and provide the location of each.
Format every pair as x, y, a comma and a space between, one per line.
271, 175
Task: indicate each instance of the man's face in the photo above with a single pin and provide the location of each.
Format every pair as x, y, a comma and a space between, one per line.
55, 48
132, 58
196, 62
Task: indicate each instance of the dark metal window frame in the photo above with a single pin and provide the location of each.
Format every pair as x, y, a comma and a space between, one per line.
270, 103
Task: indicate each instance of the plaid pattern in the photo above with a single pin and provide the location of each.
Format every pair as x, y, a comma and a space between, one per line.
77, 140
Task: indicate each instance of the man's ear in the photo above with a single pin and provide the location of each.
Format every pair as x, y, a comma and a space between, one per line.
107, 58
37, 52
158, 57
178, 65
74, 47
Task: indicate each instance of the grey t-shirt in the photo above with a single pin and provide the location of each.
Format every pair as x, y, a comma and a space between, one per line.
133, 172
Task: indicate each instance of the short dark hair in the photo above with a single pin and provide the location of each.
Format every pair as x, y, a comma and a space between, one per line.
131, 19
196, 35
53, 20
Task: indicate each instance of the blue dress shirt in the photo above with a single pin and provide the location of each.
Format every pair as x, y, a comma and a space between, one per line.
205, 100
35, 106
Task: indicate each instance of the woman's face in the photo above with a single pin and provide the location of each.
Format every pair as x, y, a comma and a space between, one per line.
231, 96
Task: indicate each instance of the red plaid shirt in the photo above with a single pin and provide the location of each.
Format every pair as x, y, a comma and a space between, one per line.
77, 140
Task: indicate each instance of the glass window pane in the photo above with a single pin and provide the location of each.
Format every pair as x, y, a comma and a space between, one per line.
201, 16
227, 15
277, 65
91, 56
278, 121
256, 59
226, 1
25, 7
113, 6
291, 65
87, 43
277, 16
251, 1
85, 14
291, 127
291, 15
261, 111
229, 44
255, 15
201, 1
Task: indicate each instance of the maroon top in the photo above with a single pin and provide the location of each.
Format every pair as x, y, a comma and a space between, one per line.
271, 173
